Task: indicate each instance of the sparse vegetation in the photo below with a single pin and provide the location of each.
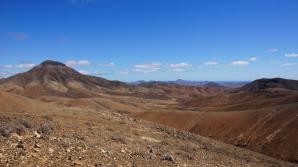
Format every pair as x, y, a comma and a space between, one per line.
117, 137
45, 129
6, 130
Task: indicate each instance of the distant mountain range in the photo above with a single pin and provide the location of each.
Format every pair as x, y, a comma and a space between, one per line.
229, 84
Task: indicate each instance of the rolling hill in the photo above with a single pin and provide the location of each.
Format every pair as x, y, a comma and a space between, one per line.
265, 121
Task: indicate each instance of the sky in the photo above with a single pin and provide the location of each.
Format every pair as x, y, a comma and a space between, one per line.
130, 40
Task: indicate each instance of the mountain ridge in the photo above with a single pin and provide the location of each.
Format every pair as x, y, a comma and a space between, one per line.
266, 83
51, 77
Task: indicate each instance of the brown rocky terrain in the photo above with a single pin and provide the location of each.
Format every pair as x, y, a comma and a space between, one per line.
179, 91
265, 121
54, 116
55, 135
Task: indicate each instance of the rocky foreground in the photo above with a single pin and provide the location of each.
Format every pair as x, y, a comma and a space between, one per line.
69, 136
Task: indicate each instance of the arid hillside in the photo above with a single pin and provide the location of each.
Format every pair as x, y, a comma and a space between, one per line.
56, 79
265, 121
259, 116
55, 135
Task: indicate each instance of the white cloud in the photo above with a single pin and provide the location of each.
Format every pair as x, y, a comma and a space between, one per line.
84, 72
25, 65
93, 72
239, 63
291, 55
272, 50
124, 72
100, 72
148, 68
3, 74
8, 66
84, 63
19, 36
179, 67
111, 64
72, 63
19, 66
253, 59
211, 63
288, 64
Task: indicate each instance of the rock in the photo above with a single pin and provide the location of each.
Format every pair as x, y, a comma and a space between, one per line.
36, 134
53, 138
16, 136
20, 145
151, 150
51, 151
122, 151
168, 157
77, 163
68, 150
103, 151
150, 139
37, 146
35, 150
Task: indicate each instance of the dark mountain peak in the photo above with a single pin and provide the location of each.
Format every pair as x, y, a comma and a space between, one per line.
53, 68
55, 78
266, 83
52, 63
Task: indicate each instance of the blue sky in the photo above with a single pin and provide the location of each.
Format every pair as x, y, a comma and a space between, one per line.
132, 40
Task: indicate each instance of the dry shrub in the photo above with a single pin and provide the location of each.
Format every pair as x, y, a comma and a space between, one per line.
6, 130
119, 138
45, 129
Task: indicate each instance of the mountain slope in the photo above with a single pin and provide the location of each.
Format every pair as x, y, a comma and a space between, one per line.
180, 91
262, 84
54, 78
50, 137
263, 119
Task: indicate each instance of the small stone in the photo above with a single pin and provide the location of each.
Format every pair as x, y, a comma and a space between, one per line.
36, 134
53, 138
20, 145
16, 136
122, 151
51, 151
103, 151
77, 163
168, 158
37, 146
151, 150
68, 150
